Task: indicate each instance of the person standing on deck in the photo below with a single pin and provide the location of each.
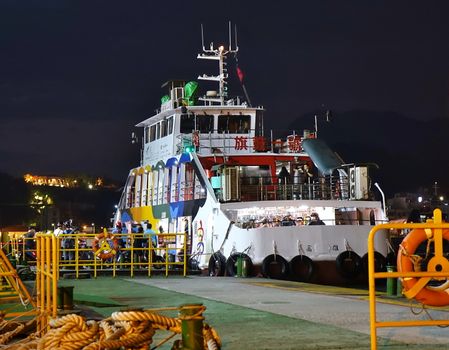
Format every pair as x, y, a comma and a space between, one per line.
150, 236
315, 220
284, 176
30, 244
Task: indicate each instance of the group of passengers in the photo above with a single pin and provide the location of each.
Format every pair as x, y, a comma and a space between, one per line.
65, 230
142, 237
287, 220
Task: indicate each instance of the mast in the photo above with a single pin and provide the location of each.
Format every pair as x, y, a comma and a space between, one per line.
220, 55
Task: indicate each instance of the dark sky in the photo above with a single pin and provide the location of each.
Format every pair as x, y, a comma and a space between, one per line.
75, 76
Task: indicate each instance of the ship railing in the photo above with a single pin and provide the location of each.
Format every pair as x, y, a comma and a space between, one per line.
286, 219
272, 188
246, 141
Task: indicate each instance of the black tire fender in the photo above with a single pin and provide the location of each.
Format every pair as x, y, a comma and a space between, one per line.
274, 266
380, 262
301, 268
158, 259
231, 268
217, 264
349, 264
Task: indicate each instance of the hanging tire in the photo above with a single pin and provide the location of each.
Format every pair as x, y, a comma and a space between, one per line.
349, 264
301, 268
275, 267
217, 264
380, 263
231, 264
159, 260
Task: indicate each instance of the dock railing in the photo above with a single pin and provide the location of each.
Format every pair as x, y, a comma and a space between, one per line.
120, 253
47, 276
434, 231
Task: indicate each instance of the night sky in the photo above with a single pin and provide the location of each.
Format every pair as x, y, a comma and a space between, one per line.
75, 76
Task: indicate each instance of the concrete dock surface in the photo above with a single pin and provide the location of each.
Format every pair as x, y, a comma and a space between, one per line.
268, 314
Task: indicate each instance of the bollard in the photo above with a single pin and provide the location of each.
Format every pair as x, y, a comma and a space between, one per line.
68, 298
65, 298
239, 264
391, 282
192, 326
244, 268
60, 303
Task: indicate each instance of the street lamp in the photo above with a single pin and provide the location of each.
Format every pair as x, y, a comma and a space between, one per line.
93, 227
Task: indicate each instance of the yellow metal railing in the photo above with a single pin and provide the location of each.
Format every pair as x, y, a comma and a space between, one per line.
436, 226
46, 279
75, 253
12, 288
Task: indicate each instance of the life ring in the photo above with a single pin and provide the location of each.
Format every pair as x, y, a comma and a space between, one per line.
349, 264
231, 268
301, 268
380, 262
217, 264
418, 288
274, 266
101, 247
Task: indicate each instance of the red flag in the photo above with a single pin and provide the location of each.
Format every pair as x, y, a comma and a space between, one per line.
240, 74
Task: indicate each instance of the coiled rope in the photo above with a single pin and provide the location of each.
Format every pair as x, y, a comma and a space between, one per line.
123, 330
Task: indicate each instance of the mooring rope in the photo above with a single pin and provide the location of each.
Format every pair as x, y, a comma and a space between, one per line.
123, 329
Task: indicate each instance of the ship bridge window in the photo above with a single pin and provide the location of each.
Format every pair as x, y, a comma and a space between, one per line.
152, 133
164, 128
205, 123
158, 131
147, 134
169, 125
234, 124
187, 123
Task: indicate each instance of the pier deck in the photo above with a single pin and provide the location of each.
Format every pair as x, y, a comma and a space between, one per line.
267, 314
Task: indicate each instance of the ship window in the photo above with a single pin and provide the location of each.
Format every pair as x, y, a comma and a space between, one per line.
158, 131
205, 123
169, 125
147, 134
234, 124
187, 123
152, 133
164, 128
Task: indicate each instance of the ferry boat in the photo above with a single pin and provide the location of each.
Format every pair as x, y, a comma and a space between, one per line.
208, 169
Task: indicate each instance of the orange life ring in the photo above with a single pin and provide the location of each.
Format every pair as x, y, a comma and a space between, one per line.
417, 288
102, 248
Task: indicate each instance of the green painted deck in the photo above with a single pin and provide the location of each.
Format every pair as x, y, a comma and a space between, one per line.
248, 313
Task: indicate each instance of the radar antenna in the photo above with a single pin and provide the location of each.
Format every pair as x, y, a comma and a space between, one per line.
202, 37
219, 54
